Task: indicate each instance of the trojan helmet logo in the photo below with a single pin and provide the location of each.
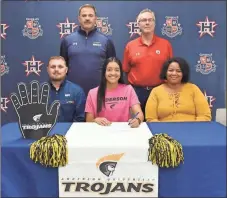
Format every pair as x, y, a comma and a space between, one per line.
108, 163
36, 118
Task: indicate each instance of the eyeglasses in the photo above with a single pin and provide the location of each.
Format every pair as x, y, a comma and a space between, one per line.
147, 20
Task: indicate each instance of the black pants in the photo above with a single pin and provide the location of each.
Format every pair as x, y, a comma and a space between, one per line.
143, 94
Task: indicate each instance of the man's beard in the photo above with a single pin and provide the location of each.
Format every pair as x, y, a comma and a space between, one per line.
57, 79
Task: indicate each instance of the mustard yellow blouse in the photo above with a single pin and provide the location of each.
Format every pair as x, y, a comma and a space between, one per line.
189, 104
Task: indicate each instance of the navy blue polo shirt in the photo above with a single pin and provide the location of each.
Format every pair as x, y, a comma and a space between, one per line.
72, 100
85, 54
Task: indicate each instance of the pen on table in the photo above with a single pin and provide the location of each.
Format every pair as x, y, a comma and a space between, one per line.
133, 117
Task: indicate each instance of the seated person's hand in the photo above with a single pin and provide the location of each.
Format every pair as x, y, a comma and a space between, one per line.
102, 121
134, 123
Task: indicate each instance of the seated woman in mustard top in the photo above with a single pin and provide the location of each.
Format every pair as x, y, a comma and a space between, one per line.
176, 99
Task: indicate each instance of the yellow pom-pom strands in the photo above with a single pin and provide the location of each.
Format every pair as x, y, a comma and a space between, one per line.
50, 151
165, 151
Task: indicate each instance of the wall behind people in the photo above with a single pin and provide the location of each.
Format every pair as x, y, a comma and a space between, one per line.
31, 32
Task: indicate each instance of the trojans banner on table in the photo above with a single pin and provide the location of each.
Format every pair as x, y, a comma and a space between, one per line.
110, 161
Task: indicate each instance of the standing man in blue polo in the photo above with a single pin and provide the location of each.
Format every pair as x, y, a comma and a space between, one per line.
86, 49
71, 96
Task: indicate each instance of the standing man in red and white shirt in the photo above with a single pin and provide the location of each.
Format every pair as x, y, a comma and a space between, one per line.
144, 56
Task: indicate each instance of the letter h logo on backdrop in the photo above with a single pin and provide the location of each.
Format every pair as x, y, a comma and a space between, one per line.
32, 66
3, 30
206, 27
4, 105
66, 28
134, 28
